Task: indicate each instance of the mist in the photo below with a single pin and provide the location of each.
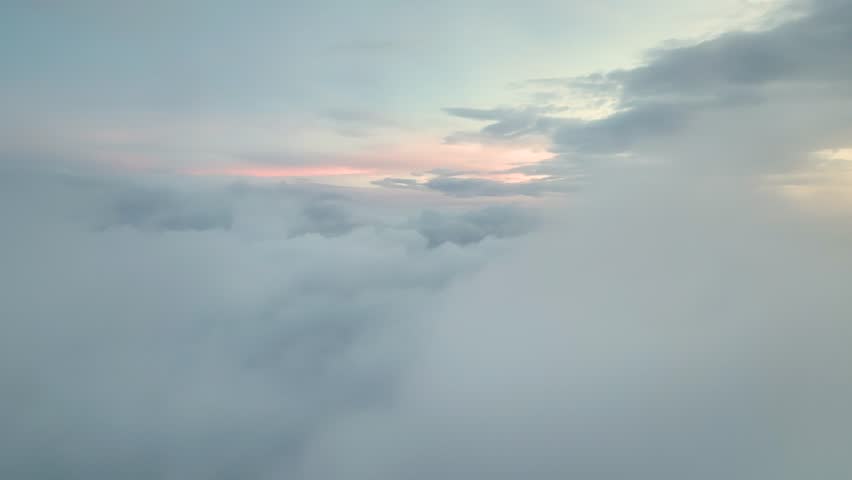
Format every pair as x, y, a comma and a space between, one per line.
673, 327
305, 263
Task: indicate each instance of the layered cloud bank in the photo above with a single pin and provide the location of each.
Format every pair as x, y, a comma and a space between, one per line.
664, 332
669, 312
162, 331
743, 103
668, 327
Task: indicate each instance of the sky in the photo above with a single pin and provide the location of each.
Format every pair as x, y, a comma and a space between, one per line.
393, 240
335, 89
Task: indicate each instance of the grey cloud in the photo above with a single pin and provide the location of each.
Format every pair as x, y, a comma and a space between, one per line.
476, 187
472, 227
564, 166
160, 210
677, 326
392, 182
595, 82
451, 172
795, 64
448, 182
725, 95
325, 218
809, 50
620, 131
478, 113
507, 123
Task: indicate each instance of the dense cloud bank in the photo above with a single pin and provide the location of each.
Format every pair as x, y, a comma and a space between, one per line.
159, 330
669, 330
643, 337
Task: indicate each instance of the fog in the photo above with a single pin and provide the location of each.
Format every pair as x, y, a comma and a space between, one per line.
666, 299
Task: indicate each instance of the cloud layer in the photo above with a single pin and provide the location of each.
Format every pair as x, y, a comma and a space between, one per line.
675, 317
665, 333
179, 331
751, 102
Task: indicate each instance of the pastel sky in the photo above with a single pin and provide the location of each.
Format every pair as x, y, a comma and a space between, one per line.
352, 91
425, 240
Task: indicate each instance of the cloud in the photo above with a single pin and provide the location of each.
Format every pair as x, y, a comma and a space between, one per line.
466, 187
664, 323
483, 187
161, 210
507, 123
807, 51
707, 103
327, 219
472, 227
670, 328
619, 132
392, 182
140, 342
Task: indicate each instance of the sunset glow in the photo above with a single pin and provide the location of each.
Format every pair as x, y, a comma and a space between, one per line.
274, 172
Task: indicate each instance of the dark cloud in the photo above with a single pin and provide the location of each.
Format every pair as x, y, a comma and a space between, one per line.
620, 131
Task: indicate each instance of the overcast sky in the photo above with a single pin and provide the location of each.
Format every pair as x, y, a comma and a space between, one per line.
397, 240
314, 88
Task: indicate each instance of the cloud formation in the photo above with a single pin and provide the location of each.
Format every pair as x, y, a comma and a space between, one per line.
671, 320
762, 99
207, 331
664, 332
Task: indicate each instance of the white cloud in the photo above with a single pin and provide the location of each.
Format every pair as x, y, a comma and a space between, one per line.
664, 332
142, 342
